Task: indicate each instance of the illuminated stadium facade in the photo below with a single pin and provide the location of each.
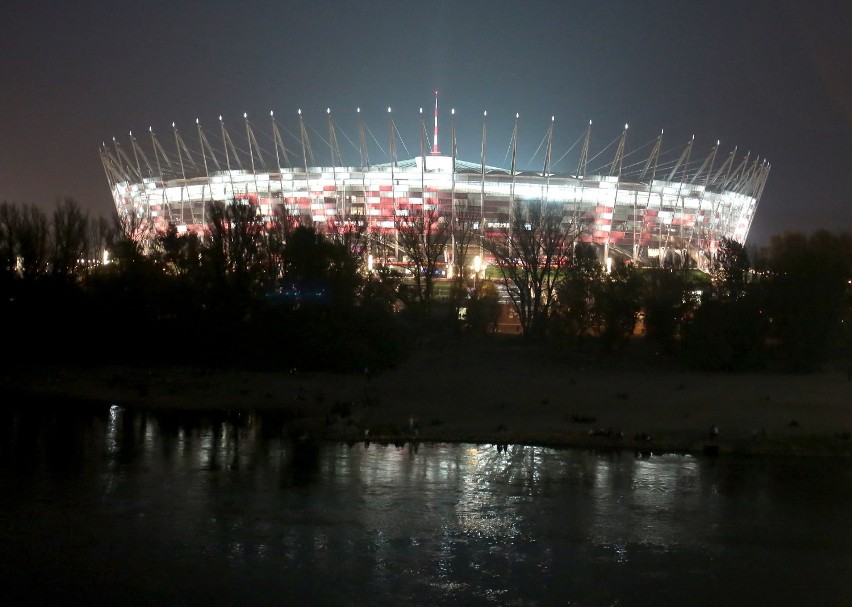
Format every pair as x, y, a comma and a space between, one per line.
639, 207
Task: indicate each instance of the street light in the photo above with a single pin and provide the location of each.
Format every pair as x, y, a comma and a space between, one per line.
477, 266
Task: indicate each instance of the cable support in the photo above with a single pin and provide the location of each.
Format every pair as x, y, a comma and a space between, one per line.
287, 151
253, 139
606, 166
185, 149
426, 135
543, 139
396, 130
286, 132
573, 145
376, 141
314, 131
345, 136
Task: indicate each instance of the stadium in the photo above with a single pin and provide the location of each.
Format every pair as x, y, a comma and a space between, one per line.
648, 205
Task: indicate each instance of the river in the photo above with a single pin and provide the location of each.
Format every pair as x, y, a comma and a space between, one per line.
117, 506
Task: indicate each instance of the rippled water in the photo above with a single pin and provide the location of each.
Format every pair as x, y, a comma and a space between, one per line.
123, 507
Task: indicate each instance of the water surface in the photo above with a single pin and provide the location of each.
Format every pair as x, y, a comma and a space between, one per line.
127, 507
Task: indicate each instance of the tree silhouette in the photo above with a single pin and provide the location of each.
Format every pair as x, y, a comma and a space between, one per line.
531, 254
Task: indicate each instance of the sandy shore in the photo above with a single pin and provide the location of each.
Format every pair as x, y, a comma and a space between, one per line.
497, 392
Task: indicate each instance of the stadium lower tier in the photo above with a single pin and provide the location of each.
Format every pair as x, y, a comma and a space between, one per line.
628, 219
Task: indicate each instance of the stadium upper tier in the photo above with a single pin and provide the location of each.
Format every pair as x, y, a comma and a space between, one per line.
638, 210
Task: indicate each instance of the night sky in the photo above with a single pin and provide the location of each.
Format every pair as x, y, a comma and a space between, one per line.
773, 77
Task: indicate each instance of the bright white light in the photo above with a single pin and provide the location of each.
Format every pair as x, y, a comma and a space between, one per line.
485, 113
106, 257
173, 125
477, 264
245, 115
609, 265
328, 110
370, 263
389, 109
453, 111
300, 111
271, 113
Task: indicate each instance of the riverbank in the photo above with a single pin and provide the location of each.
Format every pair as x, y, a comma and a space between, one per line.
502, 392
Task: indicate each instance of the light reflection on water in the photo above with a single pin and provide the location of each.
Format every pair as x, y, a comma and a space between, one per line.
170, 507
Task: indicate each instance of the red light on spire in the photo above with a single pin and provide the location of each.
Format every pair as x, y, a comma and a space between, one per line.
435, 151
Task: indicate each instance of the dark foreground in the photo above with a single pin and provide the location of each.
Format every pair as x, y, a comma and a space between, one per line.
494, 392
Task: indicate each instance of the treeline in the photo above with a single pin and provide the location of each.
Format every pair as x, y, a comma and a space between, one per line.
790, 309
248, 295
282, 295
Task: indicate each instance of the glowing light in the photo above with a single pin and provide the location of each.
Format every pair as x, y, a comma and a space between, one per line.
477, 264
370, 262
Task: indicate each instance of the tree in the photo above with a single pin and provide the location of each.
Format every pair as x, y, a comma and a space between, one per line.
33, 241
617, 303
234, 238
177, 254
730, 269
531, 254
668, 300
576, 311
462, 236
10, 219
483, 309
319, 271
70, 238
806, 294
728, 330
423, 239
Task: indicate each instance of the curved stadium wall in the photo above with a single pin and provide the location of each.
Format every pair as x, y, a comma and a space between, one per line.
683, 206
